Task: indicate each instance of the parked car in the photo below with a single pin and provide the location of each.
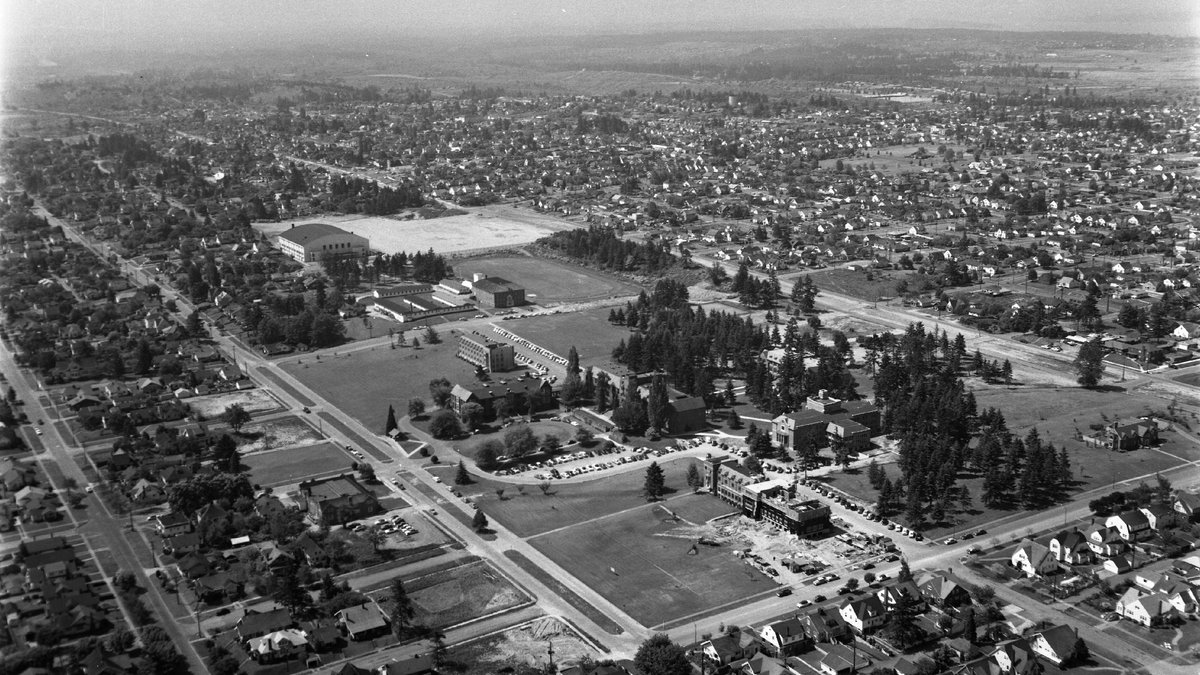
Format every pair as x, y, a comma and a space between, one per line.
783, 592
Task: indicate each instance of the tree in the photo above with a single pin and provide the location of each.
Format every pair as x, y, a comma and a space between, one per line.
462, 477
735, 420
444, 424
485, 457
659, 656
225, 454
375, 536
693, 477
520, 440
431, 336
390, 425
289, 592
236, 417
901, 627
471, 414
1089, 363
655, 484
402, 607
439, 391
437, 638
416, 407
145, 359
479, 522
905, 574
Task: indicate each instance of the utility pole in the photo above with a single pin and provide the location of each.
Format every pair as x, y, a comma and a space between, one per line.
550, 654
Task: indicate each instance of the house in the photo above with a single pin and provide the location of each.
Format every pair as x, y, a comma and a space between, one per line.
1159, 516
1071, 548
823, 625
362, 622
785, 638
337, 500
417, 665
181, 544
1147, 610
1186, 331
1059, 645
1033, 559
728, 648
280, 645
1124, 437
940, 590
148, 492
1105, 541
171, 524
1187, 505
1119, 564
1131, 524
255, 624
864, 614
890, 595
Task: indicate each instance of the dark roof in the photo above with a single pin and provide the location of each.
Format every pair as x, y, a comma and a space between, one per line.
302, 234
495, 285
264, 622
686, 403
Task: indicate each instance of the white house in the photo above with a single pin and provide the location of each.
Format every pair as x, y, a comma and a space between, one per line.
1033, 559
1147, 610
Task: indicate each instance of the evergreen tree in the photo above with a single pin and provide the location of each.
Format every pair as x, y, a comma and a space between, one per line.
391, 425
694, 480
461, 476
655, 484
1089, 363
479, 522
402, 610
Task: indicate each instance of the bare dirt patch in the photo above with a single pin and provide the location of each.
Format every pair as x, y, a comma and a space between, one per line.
526, 646
251, 400
288, 432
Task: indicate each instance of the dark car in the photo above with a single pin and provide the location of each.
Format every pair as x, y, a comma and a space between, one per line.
783, 592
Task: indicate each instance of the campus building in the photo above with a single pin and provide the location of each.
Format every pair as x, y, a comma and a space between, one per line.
311, 242
519, 393
494, 357
771, 500
824, 418
337, 500
497, 293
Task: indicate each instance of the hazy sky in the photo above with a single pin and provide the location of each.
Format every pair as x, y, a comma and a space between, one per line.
39, 27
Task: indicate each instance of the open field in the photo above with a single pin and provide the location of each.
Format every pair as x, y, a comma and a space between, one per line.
450, 597
572, 503
547, 281
588, 331
363, 383
283, 467
640, 561
276, 434
856, 284
482, 228
252, 400
522, 650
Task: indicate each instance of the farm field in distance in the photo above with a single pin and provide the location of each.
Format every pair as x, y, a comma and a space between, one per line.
481, 228
639, 560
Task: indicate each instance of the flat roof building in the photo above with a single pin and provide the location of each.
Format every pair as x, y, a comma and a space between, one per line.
771, 500
493, 357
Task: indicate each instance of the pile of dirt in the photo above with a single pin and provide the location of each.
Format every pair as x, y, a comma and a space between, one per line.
531, 643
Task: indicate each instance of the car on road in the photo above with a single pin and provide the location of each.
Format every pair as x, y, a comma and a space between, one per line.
974, 550
819, 581
803, 603
949, 541
783, 592
980, 533
868, 566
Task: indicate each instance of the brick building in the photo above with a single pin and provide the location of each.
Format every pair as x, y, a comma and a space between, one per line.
824, 418
771, 500
494, 357
497, 293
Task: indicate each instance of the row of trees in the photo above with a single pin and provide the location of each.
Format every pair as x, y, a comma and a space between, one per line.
600, 246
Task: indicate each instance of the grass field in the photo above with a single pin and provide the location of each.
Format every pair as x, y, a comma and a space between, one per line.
283, 467
565, 433
364, 383
856, 284
482, 228
655, 579
449, 597
572, 503
588, 331
547, 281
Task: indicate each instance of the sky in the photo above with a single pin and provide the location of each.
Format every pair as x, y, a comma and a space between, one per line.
43, 26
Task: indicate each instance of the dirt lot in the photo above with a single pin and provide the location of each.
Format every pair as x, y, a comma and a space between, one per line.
644, 560
523, 649
547, 281
452, 596
252, 400
287, 432
482, 228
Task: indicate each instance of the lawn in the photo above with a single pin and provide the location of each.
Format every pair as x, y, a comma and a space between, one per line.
635, 561
547, 281
363, 383
450, 597
588, 331
282, 467
565, 433
533, 513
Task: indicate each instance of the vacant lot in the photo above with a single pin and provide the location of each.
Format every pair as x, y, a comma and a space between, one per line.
252, 400
364, 383
283, 467
861, 283
640, 561
588, 331
478, 229
449, 597
522, 650
533, 513
547, 281
277, 434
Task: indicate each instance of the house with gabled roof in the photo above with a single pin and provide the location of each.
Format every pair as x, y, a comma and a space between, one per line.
863, 614
940, 590
890, 595
1131, 524
1147, 610
362, 622
1105, 541
1188, 505
823, 624
785, 638
726, 649
1159, 516
280, 645
1059, 644
1033, 559
1071, 547
255, 624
